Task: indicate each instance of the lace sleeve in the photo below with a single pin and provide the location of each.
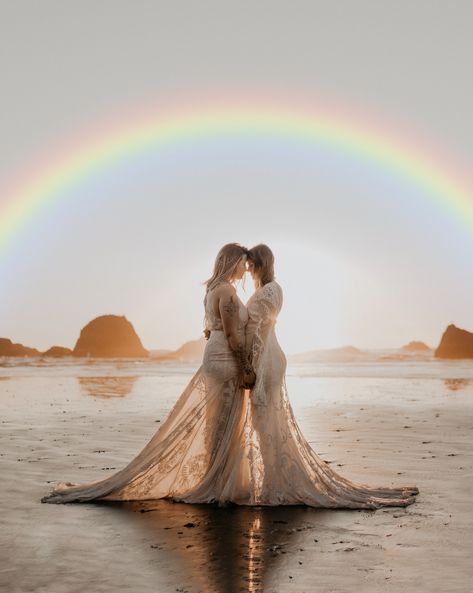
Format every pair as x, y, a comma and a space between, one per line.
263, 311
205, 321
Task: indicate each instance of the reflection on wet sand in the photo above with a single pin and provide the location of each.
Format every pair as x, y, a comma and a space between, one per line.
221, 550
107, 386
457, 384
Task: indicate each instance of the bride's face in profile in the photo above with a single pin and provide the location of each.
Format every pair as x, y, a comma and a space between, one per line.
250, 266
240, 269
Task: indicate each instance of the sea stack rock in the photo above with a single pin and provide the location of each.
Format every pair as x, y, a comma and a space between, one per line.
58, 352
109, 336
416, 346
455, 343
8, 348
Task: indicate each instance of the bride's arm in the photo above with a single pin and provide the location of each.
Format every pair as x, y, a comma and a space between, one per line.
263, 310
229, 313
250, 331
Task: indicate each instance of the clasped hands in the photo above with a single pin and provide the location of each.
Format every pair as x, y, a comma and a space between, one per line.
248, 379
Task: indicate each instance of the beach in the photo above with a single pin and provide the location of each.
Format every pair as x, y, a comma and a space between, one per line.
382, 424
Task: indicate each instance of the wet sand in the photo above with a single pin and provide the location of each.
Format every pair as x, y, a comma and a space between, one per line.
375, 430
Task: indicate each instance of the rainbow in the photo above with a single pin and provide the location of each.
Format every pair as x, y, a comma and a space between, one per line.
158, 129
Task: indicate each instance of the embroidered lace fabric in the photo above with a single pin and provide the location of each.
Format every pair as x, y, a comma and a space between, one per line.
221, 443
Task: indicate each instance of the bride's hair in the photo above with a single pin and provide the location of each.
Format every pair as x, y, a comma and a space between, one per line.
226, 263
263, 261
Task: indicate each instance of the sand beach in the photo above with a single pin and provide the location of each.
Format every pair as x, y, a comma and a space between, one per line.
396, 423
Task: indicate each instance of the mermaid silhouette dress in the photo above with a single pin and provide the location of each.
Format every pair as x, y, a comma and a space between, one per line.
192, 455
292, 473
221, 443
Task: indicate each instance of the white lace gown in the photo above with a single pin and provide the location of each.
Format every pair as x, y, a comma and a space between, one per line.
222, 443
193, 455
291, 472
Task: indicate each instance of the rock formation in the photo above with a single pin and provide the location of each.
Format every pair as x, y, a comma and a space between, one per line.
58, 352
8, 348
416, 347
109, 336
455, 343
342, 354
189, 352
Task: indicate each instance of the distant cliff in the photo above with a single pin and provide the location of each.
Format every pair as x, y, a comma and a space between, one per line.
189, 352
416, 347
8, 348
343, 354
109, 336
414, 350
455, 343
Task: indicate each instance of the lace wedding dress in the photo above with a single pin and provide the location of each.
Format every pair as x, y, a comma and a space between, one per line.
291, 472
221, 443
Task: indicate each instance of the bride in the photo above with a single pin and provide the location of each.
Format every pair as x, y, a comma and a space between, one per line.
232, 436
292, 473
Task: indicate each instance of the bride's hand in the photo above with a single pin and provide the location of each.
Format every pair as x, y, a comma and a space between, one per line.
249, 380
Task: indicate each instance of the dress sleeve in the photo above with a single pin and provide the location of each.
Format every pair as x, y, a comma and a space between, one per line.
263, 311
205, 321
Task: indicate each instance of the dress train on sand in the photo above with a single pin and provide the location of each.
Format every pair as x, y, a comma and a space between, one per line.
221, 443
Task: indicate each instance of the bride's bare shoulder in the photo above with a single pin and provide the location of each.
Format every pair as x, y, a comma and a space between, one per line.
224, 290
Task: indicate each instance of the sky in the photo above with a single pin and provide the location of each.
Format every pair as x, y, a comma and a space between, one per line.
364, 257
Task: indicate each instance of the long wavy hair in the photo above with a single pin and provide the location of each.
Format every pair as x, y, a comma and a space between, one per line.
226, 263
263, 260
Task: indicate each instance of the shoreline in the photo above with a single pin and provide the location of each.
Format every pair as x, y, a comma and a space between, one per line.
380, 431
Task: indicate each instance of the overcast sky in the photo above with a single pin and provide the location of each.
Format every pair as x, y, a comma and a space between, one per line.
364, 258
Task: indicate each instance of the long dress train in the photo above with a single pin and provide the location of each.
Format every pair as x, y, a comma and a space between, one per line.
292, 472
192, 455
221, 443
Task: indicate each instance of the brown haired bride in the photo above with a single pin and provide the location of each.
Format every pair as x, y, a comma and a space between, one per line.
224, 443
291, 472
